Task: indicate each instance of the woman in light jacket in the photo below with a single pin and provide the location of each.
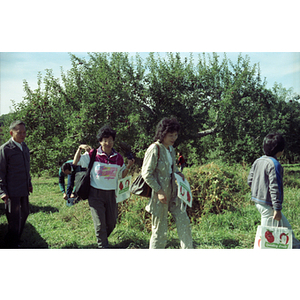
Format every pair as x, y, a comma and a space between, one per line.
158, 170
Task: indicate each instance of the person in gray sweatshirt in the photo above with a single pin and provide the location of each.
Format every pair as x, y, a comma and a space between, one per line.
266, 182
15, 182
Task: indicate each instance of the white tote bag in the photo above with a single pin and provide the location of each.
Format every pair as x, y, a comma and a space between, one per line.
271, 237
123, 192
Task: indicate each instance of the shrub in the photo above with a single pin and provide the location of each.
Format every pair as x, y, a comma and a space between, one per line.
217, 187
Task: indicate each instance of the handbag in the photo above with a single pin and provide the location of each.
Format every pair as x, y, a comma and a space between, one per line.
140, 187
271, 237
83, 179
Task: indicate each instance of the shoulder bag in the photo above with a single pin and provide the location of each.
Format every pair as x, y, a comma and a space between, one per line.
83, 180
140, 187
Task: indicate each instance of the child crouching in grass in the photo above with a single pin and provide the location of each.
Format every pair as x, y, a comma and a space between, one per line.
266, 182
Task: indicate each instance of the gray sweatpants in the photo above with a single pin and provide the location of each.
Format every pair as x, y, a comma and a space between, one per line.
158, 239
104, 212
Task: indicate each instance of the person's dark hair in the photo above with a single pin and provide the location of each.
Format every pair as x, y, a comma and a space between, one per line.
166, 125
105, 132
65, 167
16, 123
273, 143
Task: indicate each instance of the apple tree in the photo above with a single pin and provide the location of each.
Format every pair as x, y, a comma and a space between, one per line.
224, 108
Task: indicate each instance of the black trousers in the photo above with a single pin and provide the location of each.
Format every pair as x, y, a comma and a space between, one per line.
104, 210
16, 216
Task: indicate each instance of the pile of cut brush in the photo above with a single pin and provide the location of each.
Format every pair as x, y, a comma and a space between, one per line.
217, 187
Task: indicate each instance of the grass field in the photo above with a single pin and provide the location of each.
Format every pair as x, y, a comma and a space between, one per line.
51, 224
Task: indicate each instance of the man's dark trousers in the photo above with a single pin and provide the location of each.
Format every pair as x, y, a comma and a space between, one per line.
19, 211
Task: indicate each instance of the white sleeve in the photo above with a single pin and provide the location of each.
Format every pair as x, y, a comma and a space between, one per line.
84, 160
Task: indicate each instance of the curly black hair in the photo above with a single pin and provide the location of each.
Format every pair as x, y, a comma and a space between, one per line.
105, 132
166, 125
273, 143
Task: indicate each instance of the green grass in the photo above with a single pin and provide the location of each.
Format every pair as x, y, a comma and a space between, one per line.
51, 224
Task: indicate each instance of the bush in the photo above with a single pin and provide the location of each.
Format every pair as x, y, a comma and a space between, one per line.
217, 187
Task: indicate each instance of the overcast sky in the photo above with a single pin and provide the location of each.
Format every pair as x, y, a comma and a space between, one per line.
280, 67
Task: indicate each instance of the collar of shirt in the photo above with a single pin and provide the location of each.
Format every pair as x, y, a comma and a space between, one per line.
170, 148
18, 144
114, 158
101, 152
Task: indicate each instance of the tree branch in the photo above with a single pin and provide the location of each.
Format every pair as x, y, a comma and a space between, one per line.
203, 133
213, 130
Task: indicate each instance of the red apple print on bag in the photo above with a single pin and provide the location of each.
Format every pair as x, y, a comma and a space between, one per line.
182, 191
269, 236
285, 238
188, 197
121, 186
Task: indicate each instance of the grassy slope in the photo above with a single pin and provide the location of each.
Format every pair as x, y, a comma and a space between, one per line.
52, 224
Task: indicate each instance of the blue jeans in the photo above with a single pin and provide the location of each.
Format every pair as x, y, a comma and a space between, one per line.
266, 212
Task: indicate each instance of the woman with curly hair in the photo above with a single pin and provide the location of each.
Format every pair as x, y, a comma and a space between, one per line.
108, 167
158, 170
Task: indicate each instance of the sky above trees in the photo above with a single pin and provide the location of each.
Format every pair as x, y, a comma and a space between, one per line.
280, 67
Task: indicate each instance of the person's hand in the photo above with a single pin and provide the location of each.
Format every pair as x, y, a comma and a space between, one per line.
30, 189
5, 198
78, 152
72, 196
85, 147
130, 163
162, 197
65, 196
277, 215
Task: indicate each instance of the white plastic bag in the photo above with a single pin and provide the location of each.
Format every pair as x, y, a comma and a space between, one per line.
123, 192
184, 190
271, 237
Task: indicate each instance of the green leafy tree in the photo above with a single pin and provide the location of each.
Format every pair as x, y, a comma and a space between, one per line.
224, 108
